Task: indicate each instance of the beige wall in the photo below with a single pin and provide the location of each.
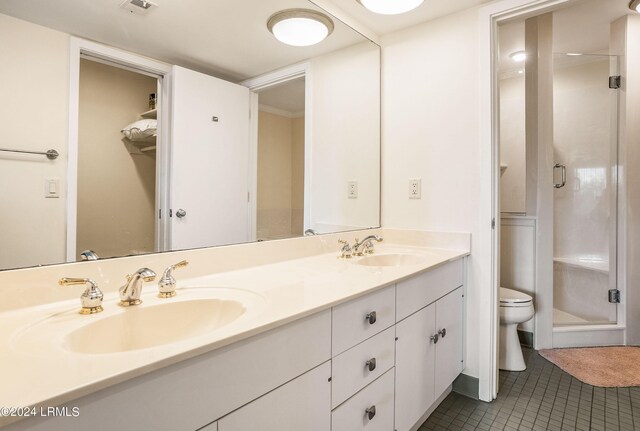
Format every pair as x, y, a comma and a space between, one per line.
280, 176
116, 189
512, 146
33, 116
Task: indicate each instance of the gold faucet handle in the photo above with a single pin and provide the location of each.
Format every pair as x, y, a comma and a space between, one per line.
167, 284
345, 251
180, 264
92, 297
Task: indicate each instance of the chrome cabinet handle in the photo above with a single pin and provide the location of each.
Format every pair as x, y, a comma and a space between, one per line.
434, 338
371, 317
370, 412
564, 175
181, 213
371, 364
443, 332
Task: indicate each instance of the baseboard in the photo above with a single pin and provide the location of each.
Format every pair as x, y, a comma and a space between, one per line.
526, 338
467, 386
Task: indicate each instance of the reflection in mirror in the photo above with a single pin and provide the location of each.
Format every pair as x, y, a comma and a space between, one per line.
240, 148
281, 160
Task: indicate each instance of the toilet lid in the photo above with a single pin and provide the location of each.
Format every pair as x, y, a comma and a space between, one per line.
510, 296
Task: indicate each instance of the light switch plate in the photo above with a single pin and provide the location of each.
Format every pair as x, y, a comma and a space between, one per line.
52, 188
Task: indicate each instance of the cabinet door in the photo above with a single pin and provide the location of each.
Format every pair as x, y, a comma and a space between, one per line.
449, 350
415, 361
209, 161
302, 404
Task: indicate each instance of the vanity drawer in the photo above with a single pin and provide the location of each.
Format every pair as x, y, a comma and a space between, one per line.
350, 324
351, 369
353, 416
421, 290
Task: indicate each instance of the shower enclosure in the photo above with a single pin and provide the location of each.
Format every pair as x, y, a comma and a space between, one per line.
585, 151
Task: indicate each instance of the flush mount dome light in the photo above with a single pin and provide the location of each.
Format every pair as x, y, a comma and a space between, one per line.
518, 56
300, 27
634, 5
391, 7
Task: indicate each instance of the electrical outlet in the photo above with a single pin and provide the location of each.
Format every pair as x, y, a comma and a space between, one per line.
415, 188
352, 189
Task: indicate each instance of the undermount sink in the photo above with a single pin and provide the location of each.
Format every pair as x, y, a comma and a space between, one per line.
399, 259
142, 327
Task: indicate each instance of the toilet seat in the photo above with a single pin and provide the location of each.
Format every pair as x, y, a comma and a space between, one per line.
513, 298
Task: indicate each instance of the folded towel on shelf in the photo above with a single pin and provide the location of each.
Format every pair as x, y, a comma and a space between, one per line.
141, 129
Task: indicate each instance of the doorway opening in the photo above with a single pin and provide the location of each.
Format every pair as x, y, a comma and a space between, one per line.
281, 155
117, 134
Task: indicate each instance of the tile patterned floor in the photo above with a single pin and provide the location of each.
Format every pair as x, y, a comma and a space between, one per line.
543, 397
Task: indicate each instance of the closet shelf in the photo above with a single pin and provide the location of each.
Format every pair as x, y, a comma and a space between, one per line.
153, 113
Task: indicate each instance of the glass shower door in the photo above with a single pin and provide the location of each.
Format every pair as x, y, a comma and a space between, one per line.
585, 196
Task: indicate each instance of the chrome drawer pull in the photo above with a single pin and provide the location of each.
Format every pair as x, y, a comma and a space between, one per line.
371, 364
434, 338
371, 317
443, 332
371, 412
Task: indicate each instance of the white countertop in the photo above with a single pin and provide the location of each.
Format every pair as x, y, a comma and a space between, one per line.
39, 371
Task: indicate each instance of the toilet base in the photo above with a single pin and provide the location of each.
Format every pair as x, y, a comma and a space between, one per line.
511, 358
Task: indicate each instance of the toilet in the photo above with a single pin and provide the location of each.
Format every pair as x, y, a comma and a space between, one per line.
515, 308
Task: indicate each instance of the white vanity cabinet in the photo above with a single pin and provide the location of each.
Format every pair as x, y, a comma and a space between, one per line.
429, 341
375, 363
302, 404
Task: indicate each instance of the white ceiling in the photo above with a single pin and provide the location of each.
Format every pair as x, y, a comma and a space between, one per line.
383, 24
582, 27
287, 97
227, 38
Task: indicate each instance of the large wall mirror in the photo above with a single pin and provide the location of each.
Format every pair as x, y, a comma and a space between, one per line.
179, 125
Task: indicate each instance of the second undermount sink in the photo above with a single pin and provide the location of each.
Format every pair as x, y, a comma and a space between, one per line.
143, 327
396, 259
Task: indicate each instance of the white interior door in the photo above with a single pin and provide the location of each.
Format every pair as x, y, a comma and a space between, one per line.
209, 161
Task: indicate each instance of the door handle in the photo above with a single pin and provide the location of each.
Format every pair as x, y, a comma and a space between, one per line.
181, 213
563, 169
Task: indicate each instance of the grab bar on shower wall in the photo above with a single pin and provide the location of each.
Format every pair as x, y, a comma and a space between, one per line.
564, 175
51, 154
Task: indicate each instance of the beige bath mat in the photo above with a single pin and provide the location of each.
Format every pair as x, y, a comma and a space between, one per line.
607, 367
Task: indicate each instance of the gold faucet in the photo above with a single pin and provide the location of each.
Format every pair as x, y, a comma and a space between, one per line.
130, 292
367, 243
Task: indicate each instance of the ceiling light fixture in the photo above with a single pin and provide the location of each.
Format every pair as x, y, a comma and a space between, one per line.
634, 5
300, 27
391, 7
519, 56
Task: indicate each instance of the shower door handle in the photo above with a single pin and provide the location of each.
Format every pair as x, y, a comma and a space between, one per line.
564, 175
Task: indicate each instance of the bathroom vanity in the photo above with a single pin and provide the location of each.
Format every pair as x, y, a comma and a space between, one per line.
318, 343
